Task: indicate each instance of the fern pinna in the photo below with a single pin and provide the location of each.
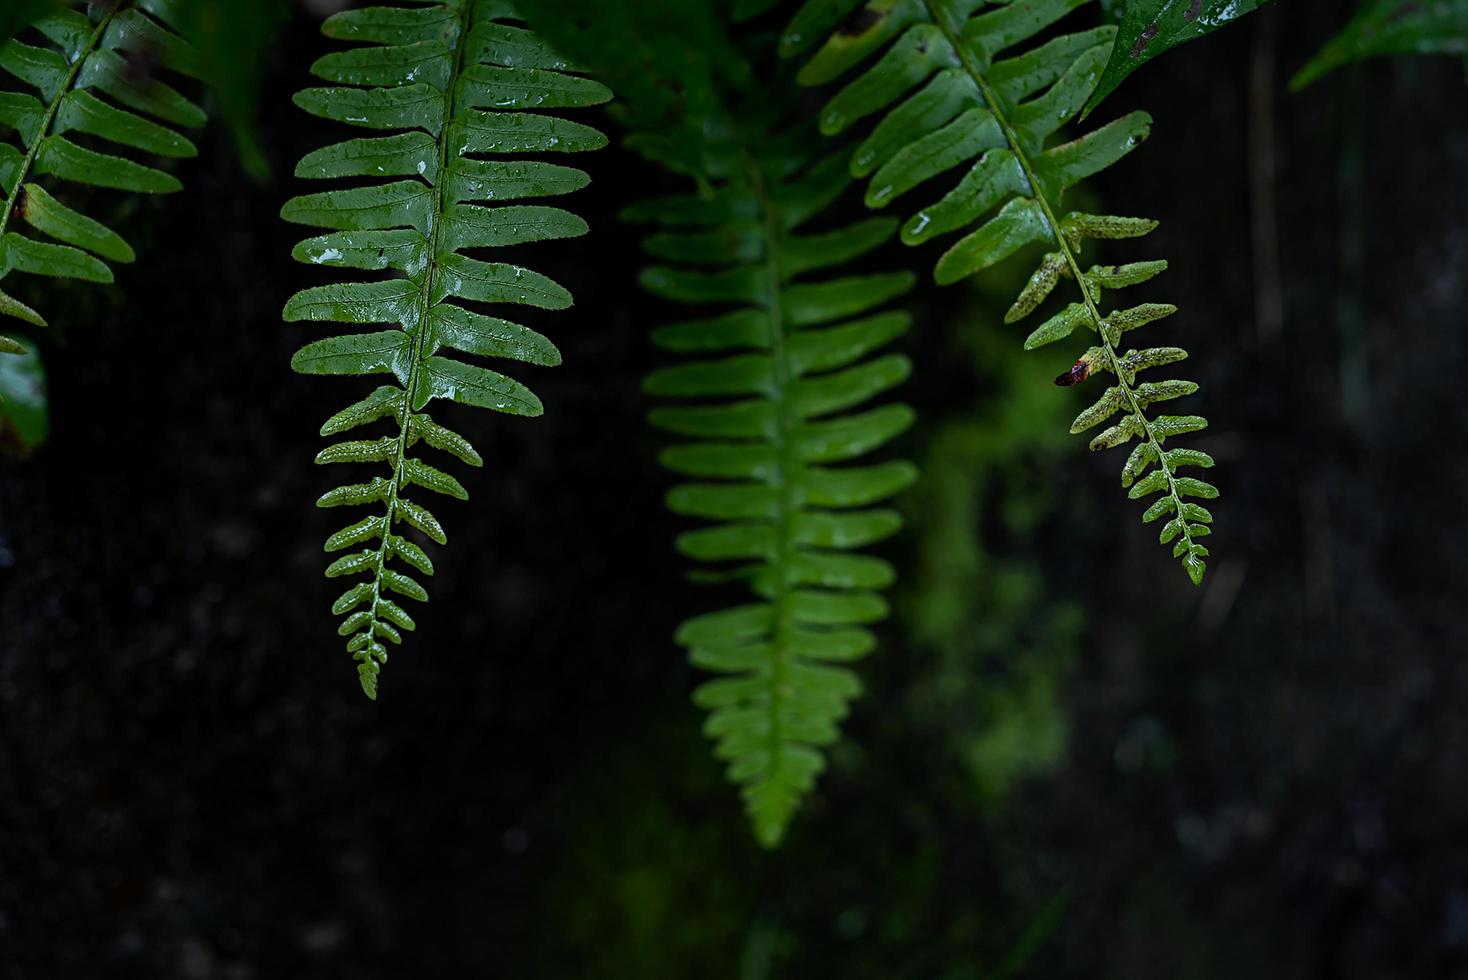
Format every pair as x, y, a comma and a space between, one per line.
456, 83
88, 77
957, 104
780, 363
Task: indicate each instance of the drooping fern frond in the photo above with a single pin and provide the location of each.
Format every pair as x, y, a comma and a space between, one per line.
768, 406
88, 79
457, 84
951, 101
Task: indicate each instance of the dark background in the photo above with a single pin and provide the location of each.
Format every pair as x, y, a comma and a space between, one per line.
1068, 763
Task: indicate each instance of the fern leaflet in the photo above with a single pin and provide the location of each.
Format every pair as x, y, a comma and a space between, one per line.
997, 116
787, 347
455, 82
87, 82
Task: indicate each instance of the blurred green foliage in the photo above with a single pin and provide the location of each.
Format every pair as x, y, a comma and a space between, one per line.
24, 418
1148, 28
1387, 27
671, 64
232, 37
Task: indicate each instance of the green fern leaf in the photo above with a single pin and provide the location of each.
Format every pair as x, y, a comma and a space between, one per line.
80, 79
769, 409
960, 100
453, 83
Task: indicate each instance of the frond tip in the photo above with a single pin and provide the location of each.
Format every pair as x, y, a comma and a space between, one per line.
769, 410
949, 100
456, 84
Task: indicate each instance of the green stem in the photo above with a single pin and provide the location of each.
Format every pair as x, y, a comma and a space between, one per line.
44, 129
784, 465
425, 303
954, 32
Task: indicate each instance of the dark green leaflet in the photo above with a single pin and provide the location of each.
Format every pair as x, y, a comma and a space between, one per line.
769, 410
955, 96
76, 79
447, 82
1150, 27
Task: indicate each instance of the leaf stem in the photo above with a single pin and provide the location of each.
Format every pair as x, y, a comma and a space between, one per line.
784, 505
425, 303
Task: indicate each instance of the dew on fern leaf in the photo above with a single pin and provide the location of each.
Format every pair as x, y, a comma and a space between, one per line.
461, 87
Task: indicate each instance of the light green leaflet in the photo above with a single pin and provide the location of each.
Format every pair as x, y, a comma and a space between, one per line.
461, 94
76, 79
956, 97
769, 411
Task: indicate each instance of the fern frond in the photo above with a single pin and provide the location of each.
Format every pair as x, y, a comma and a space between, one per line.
455, 83
934, 67
84, 78
769, 409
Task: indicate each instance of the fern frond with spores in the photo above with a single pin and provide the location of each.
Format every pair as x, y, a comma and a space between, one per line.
954, 91
783, 355
462, 91
84, 76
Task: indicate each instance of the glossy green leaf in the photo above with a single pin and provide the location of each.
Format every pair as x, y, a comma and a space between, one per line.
415, 106
420, 194
60, 157
1150, 27
487, 336
12, 307
430, 62
394, 25
399, 248
496, 87
44, 259
42, 68
22, 113
72, 81
501, 180
468, 384
83, 112
48, 215
514, 132
374, 353
403, 155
